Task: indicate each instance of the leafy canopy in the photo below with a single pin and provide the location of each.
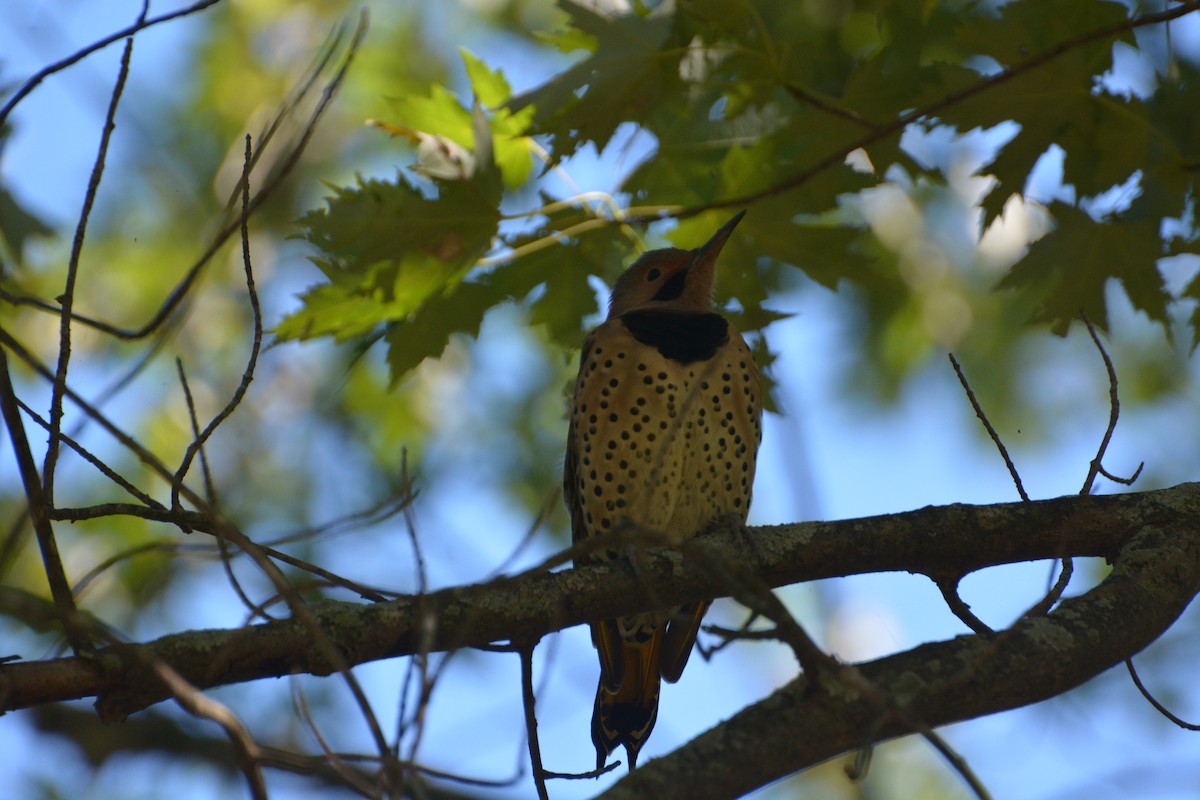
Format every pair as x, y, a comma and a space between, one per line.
790, 110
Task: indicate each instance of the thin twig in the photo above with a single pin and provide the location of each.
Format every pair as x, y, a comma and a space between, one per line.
955, 760
11, 543
210, 491
1094, 468
158, 546
347, 523
418, 668
1056, 591
94, 460
183, 518
1159, 707
67, 298
141, 25
289, 105
365, 592
582, 776
950, 591
248, 373
410, 525
531, 734
196, 521
191, 700
933, 109
728, 636
552, 501
353, 779
949, 587
749, 590
1114, 412
960, 609
256, 610
801, 95
1008, 462
60, 587
275, 179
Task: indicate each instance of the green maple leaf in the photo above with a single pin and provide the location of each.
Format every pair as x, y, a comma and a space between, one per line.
394, 256
561, 266
378, 220
622, 79
1027, 27
445, 131
424, 334
1054, 102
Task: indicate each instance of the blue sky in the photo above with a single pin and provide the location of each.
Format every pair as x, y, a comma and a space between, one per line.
833, 457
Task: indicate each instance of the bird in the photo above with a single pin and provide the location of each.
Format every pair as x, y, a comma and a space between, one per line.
664, 430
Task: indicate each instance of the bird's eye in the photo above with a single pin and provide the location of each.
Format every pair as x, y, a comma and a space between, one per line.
653, 274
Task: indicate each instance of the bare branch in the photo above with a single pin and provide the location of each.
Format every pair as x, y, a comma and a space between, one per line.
191, 700
1157, 574
357, 782
928, 541
92, 459
60, 587
67, 298
128, 442
58, 66
201, 437
960, 609
282, 169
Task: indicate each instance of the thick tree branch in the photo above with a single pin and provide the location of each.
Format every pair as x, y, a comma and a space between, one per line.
1155, 577
950, 540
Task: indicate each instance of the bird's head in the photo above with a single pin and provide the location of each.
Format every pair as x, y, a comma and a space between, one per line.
672, 279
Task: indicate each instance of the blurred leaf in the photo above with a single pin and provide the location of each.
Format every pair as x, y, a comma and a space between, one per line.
1028, 28
622, 79
1068, 270
424, 334
340, 311
490, 86
381, 220
562, 270
443, 129
1054, 103
17, 225
825, 253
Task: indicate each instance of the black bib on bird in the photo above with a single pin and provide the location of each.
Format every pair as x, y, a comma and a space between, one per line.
680, 337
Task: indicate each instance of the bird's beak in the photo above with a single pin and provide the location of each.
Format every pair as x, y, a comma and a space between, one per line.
707, 253
701, 266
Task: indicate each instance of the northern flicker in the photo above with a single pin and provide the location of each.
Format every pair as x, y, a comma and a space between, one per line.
664, 432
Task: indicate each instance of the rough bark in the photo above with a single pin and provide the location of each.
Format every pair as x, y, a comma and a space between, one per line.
1156, 575
1153, 579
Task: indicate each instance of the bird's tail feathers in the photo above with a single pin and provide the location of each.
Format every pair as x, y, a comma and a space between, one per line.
626, 716
679, 638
